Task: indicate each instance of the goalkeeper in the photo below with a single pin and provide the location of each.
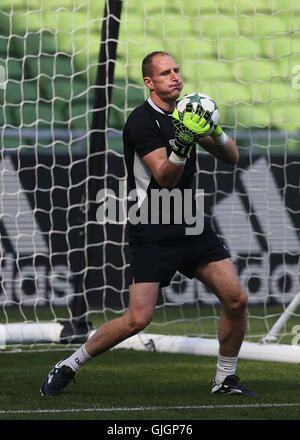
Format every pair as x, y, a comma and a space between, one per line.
160, 153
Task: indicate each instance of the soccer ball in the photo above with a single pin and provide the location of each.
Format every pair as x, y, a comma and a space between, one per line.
206, 102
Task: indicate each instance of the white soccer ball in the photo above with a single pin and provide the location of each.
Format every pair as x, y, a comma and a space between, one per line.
206, 102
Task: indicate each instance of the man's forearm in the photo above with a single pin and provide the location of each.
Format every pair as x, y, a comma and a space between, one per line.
168, 174
227, 153
165, 171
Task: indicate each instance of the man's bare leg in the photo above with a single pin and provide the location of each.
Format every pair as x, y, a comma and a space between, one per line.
222, 279
142, 303
143, 297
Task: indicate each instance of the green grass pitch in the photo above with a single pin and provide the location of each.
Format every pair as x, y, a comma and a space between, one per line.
132, 385
128, 385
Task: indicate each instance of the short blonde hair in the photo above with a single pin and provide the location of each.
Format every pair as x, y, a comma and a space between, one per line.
147, 66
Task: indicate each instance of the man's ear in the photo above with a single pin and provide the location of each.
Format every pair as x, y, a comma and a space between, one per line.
148, 82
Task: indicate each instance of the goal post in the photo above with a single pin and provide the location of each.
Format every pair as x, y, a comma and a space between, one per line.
70, 73
272, 335
92, 258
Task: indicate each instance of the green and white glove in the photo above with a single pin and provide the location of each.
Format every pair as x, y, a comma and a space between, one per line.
219, 136
188, 128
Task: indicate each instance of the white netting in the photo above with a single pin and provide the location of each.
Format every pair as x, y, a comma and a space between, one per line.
243, 54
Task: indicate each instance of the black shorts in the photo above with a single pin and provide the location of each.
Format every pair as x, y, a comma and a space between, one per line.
158, 262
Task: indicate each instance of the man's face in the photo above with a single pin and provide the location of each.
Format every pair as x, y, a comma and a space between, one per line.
165, 80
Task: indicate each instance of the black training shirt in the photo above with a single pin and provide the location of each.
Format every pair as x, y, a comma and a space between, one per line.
148, 128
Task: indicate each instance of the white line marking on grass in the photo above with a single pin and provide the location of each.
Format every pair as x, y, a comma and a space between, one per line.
148, 408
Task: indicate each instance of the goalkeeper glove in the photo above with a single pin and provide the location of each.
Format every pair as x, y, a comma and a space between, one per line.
188, 128
219, 136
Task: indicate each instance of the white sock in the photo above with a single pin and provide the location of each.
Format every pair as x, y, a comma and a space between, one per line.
226, 366
77, 359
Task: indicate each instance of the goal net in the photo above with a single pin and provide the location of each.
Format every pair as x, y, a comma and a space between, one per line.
57, 284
